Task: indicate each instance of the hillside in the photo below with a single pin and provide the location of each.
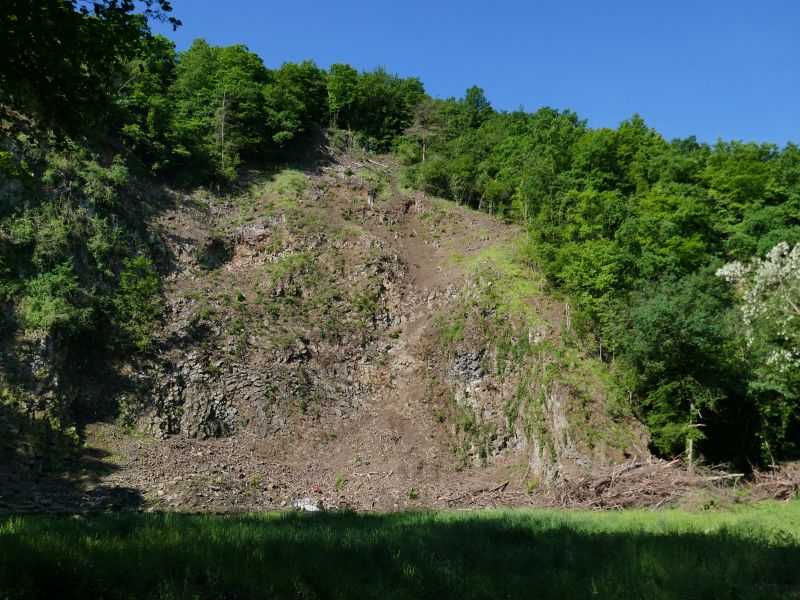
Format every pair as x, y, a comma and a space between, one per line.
224, 285
328, 334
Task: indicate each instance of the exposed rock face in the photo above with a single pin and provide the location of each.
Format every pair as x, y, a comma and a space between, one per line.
342, 335
469, 367
189, 401
328, 304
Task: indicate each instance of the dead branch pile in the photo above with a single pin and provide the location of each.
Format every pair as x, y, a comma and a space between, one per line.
650, 483
782, 482
639, 484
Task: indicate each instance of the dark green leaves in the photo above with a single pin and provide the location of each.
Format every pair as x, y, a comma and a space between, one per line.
631, 228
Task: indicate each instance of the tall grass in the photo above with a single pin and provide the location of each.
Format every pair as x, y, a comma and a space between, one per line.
749, 553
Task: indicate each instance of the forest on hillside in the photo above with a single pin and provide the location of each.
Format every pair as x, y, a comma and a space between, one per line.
679, 260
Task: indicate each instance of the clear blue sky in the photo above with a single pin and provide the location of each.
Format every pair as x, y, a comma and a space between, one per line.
712, 68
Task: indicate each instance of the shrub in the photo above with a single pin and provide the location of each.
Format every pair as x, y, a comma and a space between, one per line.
137, 303
52, 301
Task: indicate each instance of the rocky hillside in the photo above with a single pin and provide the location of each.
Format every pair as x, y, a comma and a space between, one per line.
330, 335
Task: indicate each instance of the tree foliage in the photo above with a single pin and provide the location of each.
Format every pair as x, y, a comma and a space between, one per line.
631, 228
768, 291
62, 57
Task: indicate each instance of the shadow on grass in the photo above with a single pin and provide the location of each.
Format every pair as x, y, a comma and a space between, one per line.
407, 555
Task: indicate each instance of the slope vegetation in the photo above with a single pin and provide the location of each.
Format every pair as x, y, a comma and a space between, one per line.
330, 335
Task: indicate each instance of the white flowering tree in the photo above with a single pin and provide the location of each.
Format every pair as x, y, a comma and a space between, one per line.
768, 290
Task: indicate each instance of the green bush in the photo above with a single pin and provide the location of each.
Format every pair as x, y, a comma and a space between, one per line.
137, 303
53, 300
103, 186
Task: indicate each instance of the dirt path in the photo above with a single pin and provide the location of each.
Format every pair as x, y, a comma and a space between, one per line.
395, 453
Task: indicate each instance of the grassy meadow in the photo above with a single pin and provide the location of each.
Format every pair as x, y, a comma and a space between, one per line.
747, 552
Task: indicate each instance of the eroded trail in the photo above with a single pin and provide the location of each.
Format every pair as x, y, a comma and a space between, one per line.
395, 448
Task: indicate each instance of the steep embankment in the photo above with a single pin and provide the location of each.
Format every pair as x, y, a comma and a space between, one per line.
329, 335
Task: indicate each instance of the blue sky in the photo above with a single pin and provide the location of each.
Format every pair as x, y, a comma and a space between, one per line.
712, 68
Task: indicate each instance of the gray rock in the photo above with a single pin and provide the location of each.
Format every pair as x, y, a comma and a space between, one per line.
307, 504
468, 366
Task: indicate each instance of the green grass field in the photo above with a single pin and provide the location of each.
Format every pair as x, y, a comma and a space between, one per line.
751, 552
